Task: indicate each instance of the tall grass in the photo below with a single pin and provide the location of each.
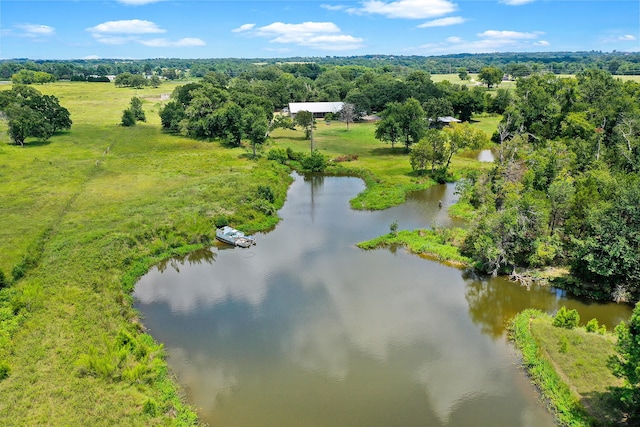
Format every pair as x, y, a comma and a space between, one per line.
83, 216
563, 401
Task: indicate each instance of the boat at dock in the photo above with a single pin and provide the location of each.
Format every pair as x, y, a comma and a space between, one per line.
234, 237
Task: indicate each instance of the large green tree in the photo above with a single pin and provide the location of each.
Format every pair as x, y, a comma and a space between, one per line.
31, 114
490, 76
407, 119
256, 126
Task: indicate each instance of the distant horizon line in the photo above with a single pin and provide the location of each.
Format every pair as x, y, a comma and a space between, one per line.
380, 55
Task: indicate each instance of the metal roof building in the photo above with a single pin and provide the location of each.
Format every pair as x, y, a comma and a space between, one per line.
318, 109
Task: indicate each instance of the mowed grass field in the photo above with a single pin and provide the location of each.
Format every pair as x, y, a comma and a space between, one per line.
90, 210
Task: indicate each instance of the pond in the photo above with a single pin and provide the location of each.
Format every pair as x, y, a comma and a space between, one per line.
307, 329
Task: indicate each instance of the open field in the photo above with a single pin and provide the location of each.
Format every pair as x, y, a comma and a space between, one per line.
89, 211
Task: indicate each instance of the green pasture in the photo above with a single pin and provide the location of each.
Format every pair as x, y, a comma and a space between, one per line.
87, 212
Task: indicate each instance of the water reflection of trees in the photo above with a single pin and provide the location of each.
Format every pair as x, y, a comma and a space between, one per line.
494, 301
200, 256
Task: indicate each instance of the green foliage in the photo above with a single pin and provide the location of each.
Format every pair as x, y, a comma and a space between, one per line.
31, 114
305, 120
593, 326
220, 221
393, 227
4, 282
128, 118
136, 108
430, 151
438, 244
128, 79
265, 192
130, 358
490, 76
565, 318
5, 370
626, 362
293, 155
27, 77
278, 154
564, 344
314, 162
404, 122
150, 407
567, 407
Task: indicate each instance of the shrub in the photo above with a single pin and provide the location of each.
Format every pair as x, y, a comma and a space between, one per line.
220, 221
4, 282
293, 155
128, 118
5, 370
315, 162
393, 228
568, 319
592, 326
265, 192
278, 154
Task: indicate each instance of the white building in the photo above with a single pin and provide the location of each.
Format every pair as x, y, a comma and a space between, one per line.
318, 109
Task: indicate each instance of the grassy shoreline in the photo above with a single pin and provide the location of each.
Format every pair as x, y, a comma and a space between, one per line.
434, 244
569, 367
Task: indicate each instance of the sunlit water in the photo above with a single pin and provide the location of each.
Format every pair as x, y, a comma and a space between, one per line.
305, 329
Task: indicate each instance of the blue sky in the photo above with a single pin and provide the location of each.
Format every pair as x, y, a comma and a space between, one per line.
139, 29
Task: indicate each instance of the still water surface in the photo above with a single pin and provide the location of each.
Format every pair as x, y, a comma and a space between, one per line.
305, 329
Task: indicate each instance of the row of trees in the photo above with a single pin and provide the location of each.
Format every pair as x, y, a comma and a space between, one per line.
208, 109
136, 80
622, 63
31, 114
565, 188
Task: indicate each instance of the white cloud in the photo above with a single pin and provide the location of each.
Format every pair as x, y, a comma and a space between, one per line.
138, 2
406, 9
516, 2
443, 22
88, 57
36, 30
112, 40
129, 31
317, 35
333, 7
186, 42
244, 27
508, 35
131, 26
627, 37
488, 41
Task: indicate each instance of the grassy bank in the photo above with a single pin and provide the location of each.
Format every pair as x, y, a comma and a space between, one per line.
85, 214
570, 368
386, 170
434, 244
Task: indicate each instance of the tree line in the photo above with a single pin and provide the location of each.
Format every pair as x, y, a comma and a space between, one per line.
617, 63
565, 188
